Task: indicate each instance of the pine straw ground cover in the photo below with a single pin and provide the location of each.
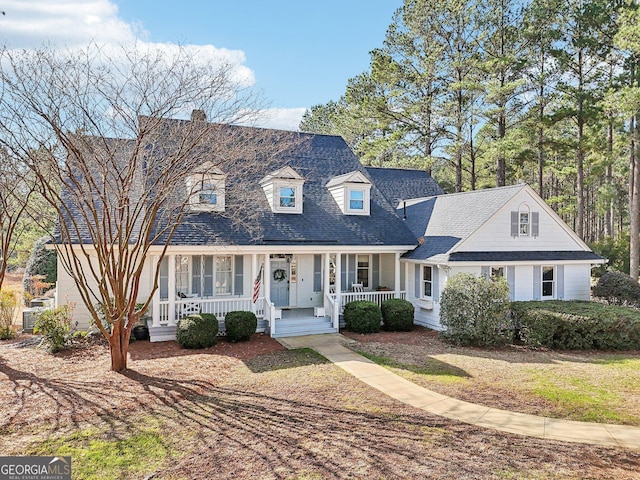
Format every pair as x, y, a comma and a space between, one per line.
253, 410
599, 387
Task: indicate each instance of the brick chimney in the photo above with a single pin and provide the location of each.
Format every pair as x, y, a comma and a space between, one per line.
198, 115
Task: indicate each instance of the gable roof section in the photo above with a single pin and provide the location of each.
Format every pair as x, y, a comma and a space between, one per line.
286, 173
351, 177
445, 221
399, 184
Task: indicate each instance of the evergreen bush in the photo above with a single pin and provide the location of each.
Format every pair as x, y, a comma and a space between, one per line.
577, 325
8, 304
362, 316
617, 288
397, 315
42, 265
57, 327
474, 311
198, 330
240, 325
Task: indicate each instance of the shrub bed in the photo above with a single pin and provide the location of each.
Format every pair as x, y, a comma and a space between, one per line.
397, 315
198, 330
362, 316
577, 325
240, 325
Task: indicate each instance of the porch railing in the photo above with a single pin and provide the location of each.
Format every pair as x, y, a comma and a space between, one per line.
218, 306
377, 297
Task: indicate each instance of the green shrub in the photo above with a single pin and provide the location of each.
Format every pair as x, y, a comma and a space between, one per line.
362, 316
577, 325
474, 311
56, 325
198, 330
41, 268
8, 304
240, 325
617, 288
616, 251
397, 315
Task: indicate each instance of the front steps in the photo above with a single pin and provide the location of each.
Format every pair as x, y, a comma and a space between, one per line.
303, 326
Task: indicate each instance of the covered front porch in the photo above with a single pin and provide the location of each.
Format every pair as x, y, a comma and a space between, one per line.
298, 293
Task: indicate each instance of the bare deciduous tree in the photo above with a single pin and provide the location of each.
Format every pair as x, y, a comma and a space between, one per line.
115, 166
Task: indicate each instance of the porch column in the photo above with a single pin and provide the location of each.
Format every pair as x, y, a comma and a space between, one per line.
267, 278
396, 280
155, 302
407, 281
254, 274
339, 281
325, 278
172, 289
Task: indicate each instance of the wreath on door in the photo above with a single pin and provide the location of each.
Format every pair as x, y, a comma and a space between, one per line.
279, 274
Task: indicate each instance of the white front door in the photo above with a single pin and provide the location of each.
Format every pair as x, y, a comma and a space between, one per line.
280, 283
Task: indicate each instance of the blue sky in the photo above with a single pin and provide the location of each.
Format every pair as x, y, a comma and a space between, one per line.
300, 52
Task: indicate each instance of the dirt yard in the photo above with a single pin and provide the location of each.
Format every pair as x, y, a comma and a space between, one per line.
254, 410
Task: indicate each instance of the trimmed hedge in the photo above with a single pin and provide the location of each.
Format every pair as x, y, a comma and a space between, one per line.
397, 315
198, 330
577, 325
617, 288
362, 316
240, 325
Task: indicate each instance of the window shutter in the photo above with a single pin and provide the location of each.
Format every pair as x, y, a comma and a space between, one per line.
238, 286
351, 274
375, 275
514, 224
511, 280
195, 275
435, 288
164, 279
537, 282
560, 281
535, 224
317, 273
343, 273
418, 281
484, 272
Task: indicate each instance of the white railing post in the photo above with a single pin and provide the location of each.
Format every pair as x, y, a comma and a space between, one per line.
172, 289
396, 280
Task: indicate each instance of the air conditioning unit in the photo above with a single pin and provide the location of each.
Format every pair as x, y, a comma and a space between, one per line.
29, 316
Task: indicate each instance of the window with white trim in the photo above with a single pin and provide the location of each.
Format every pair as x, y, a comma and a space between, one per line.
548, 281
362, 270
356, 199
427, 282
206, 192
497, 272
523, 223
224, 275
182, 274
287, 197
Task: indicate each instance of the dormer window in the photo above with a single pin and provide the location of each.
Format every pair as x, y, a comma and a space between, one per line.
524, 222
352, 193
283, 189
287, 197
206, 189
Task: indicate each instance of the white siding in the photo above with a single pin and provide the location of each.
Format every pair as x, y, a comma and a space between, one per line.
495, 235
577, 282
524, 282
387, 270
306, 297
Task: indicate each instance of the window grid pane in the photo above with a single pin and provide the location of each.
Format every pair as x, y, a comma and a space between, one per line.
362, 275
356, 199
427, 282
524, 223
224, 275
288, 197
547, 281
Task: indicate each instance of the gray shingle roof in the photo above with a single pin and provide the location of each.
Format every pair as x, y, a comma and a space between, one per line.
401, 184
445, 220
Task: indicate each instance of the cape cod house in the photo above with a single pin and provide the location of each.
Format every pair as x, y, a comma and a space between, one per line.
332, 231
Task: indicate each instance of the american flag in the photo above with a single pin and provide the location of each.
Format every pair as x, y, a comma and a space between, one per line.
256, 285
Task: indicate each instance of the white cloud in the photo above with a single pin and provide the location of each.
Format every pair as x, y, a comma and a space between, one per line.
283, 118
76, 23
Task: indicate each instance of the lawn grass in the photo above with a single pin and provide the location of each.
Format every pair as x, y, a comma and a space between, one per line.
98, 455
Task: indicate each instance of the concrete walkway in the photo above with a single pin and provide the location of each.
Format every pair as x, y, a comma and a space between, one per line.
333, 348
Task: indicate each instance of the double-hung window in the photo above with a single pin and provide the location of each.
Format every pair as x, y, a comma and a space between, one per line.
356, 200
224, 275
287, 197
362, 267
524, 224
548, 281
427, 282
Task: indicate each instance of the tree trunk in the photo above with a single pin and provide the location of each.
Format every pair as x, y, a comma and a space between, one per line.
119, 345
634, 203
608, 214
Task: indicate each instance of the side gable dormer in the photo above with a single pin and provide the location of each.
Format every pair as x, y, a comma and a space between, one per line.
206, 189
352, 193
283, 189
